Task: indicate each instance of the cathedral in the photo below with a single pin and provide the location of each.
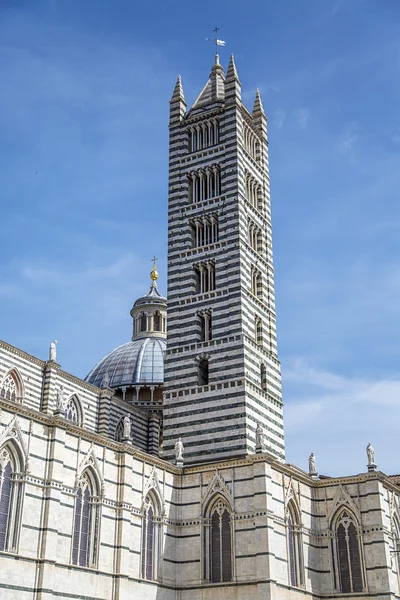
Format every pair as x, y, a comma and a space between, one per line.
162, 474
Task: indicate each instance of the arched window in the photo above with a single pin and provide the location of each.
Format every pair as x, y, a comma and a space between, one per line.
150, 539
11, 387
263, 377
143, 322
202, 372
396, 546
10, 499
86, 522
259, 331
204, 277
157, 321
347, 554
294, 547
218, 543
73, 411
205, 325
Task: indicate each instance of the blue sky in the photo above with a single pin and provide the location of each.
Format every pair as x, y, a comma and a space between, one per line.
83, 189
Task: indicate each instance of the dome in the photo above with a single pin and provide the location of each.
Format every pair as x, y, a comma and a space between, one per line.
138, 362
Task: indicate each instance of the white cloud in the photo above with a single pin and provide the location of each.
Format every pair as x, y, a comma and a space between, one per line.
302, 117
336, 416
348, 138
278, 118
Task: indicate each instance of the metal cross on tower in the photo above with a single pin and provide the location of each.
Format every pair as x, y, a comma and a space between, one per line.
216, 41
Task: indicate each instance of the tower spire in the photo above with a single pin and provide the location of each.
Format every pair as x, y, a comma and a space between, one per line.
177, 102
259, 117
233, 87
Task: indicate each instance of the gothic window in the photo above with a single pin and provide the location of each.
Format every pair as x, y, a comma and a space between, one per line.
205, 277
250, 141
263, 377
256, 282
347, 554
11, 387
253, 192
202, 372
294, 546
86, 522
203, 135
259, 331
150, 539
143, 322
10, 499
255, 237
218, 548
204, 230
205, 325
396, 546
72, 411
204, 184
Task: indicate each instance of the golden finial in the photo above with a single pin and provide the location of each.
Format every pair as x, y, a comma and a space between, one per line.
153, 272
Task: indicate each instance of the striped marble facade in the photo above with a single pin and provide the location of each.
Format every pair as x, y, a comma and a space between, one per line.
219, 139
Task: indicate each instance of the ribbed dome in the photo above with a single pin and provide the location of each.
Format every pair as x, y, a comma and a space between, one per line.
139, 361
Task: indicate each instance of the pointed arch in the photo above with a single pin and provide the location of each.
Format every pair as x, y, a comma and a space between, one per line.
11, 493
294, 544
396, 543
218, 541
153, 489
151, 534
74, 410
86, 524
217, 532
347, 551
217, 487
12, 386
13, 435
90, 460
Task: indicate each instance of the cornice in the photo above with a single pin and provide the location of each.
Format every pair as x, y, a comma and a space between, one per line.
22, 354
289, 470
89, 436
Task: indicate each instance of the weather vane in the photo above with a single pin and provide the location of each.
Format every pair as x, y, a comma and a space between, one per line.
216, 41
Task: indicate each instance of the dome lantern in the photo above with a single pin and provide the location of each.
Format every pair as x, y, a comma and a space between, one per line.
135, 370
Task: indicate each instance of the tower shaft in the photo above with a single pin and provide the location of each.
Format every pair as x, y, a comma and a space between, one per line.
222, 374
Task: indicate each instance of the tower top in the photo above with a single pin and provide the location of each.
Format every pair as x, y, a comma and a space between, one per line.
231, 74
177, 94
258, 106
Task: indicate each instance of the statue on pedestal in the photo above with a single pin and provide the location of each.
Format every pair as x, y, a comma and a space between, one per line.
312, 464
53, 351
127, 427
60, 399
259, 436
179, 450
370, 455
106, 380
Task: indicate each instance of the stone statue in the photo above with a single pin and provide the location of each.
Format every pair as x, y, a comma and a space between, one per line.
179, 450
53, 351
370, 455
60, 399
259, 436
312, 465
127, 427
106, 380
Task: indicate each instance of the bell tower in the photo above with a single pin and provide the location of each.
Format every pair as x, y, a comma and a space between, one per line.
222, 374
